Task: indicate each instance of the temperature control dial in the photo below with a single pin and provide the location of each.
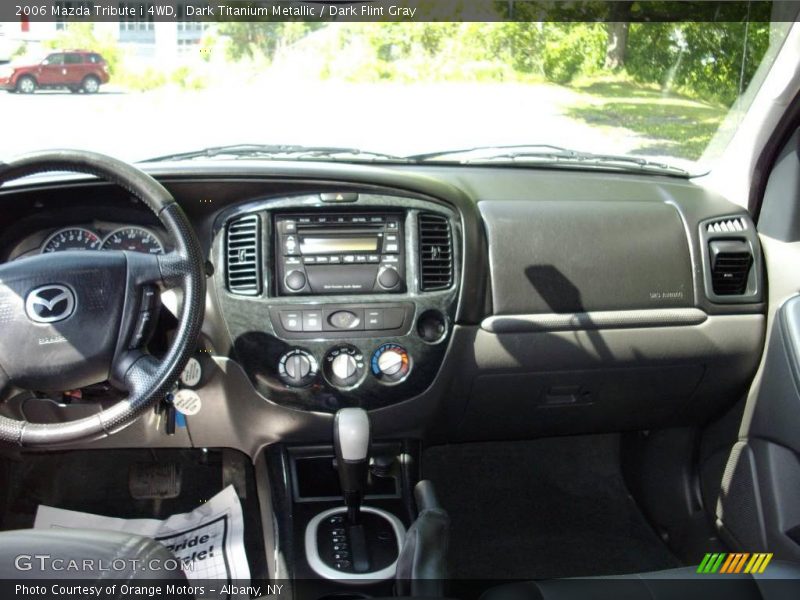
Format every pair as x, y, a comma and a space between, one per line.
344, 366
391, 363
297, 368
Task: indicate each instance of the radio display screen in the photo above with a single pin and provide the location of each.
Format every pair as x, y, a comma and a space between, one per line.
337, 244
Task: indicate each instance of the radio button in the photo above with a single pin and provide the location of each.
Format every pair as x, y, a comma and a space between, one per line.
295, 281
392, 226
288, 227
309, 260
322, 260
361, 258
291, 320
349, 258
373, 258
390, 244
312, 320
343, 319
334, 260
290, 245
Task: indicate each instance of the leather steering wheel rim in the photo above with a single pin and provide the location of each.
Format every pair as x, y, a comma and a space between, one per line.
146, 379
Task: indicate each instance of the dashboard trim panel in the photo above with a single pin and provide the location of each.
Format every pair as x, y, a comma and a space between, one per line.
609, 319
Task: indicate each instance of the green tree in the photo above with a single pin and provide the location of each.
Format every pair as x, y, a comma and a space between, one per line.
249, 38
714, 61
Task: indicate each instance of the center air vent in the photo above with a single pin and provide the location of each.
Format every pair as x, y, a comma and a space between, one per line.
730, 266
435, 252
243, 256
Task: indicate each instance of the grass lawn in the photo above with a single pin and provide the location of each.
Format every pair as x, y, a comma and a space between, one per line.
669, 124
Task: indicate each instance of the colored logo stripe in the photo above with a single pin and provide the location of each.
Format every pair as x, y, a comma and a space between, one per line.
735, 562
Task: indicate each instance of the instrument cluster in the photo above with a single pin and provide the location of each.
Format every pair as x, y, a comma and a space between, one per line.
132, 238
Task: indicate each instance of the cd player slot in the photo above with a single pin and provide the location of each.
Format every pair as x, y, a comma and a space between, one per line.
338, 230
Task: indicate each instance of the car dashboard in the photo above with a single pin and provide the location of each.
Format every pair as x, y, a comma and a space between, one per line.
461, 302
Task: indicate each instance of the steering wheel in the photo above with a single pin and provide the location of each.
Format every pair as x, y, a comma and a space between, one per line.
69, 319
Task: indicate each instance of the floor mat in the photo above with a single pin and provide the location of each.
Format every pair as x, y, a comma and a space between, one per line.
547, 508
96, 481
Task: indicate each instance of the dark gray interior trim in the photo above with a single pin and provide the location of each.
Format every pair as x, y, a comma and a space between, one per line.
609, 319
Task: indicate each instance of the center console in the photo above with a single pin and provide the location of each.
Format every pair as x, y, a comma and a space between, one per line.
348, 522
339, 298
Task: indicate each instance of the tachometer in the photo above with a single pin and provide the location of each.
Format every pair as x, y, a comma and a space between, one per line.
133, 239
72, 238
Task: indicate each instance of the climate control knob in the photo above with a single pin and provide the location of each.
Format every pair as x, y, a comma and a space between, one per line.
297, 368
391, 363
344, 366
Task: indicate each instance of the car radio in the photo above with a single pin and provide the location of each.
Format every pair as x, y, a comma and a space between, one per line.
339, 253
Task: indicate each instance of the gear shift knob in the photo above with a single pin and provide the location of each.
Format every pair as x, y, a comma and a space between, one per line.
351, 437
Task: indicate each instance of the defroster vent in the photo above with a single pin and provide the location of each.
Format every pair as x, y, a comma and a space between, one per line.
243, 256
435, 252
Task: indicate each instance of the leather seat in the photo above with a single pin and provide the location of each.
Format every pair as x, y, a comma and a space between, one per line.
780, 581
84, 554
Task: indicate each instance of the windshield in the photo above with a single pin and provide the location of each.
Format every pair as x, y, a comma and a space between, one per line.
373, 91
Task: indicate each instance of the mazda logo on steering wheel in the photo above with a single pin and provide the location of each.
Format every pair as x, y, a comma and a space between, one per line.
50, 303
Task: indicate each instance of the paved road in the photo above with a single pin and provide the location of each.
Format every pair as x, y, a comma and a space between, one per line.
384, 117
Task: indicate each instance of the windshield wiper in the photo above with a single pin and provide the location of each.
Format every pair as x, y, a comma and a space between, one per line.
548, 154
280, 152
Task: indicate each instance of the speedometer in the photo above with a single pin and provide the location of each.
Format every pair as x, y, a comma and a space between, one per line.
133, 239
72, 238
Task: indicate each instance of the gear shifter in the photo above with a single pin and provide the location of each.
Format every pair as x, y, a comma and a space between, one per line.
351, 442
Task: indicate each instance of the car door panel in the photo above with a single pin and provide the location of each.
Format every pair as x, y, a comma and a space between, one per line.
754, 488
53, 72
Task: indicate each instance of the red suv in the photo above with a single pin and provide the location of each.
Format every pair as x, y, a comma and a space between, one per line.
76, 70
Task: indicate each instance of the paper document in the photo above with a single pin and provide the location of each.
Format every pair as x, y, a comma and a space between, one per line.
207, 542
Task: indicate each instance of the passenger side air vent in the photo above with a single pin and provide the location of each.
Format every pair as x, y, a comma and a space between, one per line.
732, 263
730, 266
435, 252
732, 225
243, 257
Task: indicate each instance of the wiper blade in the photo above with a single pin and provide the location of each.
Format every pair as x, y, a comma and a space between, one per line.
497, 151
548, 154
278, 152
